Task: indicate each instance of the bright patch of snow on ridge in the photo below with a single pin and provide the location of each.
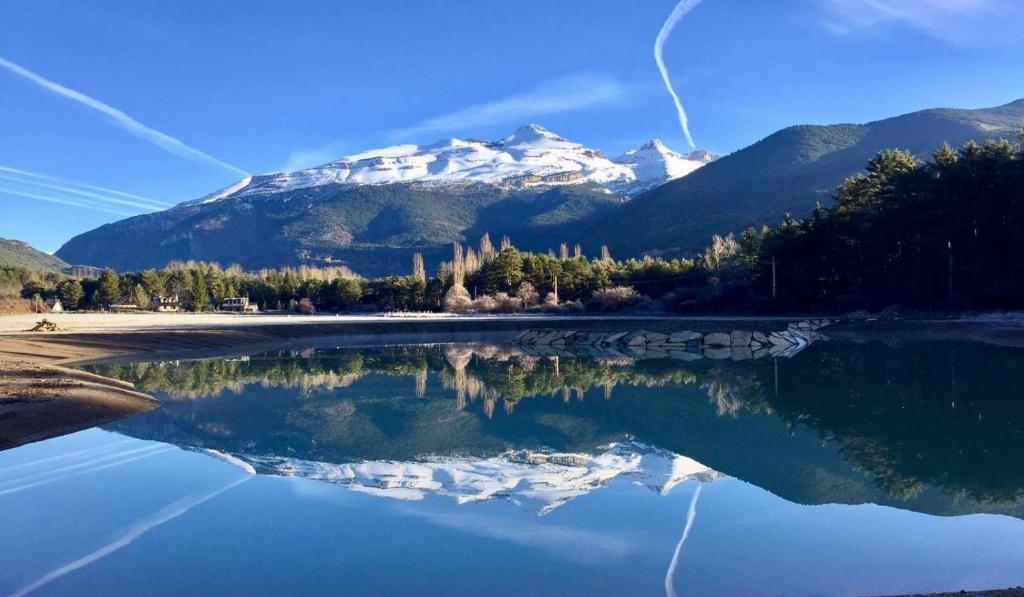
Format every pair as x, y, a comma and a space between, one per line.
238, 186
531, 155
654, 163
540, 481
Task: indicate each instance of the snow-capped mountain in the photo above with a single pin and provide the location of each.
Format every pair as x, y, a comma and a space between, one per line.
540, 481
653, 164
530, 156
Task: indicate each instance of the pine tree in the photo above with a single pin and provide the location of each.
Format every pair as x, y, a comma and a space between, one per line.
109, 288
152, 282
200, 293
70, 293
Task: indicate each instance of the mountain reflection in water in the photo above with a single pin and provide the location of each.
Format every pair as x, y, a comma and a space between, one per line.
926, 427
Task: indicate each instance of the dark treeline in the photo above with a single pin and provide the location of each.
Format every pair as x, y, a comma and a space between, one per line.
940, 234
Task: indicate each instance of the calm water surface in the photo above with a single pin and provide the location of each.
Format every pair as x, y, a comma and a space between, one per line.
848, 469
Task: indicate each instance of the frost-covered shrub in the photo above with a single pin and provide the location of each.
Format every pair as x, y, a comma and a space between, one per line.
484, 304
615, 298
457, 299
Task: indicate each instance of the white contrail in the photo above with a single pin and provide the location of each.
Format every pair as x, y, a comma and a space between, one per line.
87, 462
671, 572
81, 193
37, 179
678, 13
65, 456
62, 201
119, 118
84, 471
138, 529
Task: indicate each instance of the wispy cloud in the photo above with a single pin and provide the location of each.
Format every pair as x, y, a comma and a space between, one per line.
121, 120
942, 18
565, 94
307, 158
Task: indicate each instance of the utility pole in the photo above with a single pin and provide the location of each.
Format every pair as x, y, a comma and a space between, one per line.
775, 290
949, 246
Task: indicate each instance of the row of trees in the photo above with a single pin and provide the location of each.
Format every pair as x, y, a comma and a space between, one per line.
509, 279
939, 234
944, 233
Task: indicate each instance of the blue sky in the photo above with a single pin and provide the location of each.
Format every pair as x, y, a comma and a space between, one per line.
167, 101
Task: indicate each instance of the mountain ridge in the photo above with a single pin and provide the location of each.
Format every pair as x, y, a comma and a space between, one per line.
530, 156
18, 253
788, 171
375, 227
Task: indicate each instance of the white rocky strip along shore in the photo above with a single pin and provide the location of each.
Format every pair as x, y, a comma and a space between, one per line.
738, 345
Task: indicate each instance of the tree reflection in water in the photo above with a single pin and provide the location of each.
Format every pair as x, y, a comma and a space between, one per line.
935, 424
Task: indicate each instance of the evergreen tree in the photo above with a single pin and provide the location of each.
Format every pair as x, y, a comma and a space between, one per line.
200, 293
70, 293
152, 282
109, 289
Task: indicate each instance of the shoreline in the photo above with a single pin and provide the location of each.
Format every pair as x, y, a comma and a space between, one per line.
42, 397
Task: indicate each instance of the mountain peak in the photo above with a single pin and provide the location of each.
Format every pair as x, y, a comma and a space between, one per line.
655, 144
531, 132
655, 163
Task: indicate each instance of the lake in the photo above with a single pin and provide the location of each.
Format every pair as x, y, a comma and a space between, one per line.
472, 469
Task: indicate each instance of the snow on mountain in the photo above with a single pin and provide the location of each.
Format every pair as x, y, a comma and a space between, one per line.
530, 156
540, 481
653, 164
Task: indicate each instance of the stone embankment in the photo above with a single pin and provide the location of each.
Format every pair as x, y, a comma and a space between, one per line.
738, 345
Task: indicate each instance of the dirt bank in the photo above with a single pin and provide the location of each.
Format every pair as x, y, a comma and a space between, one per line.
39, 401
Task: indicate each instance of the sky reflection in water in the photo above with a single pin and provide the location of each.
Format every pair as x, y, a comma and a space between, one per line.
472, 469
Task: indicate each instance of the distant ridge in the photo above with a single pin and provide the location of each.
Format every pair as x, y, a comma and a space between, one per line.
787, 172
19, 253
372, 211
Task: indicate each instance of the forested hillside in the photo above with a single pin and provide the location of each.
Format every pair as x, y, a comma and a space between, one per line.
944, 233
787, 172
